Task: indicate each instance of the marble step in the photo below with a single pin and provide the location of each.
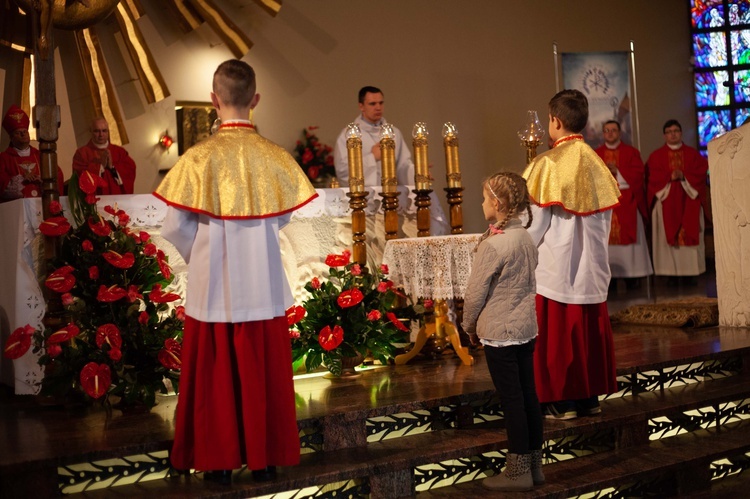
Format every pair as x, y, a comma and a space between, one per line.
680, 464
730, 487
389, 464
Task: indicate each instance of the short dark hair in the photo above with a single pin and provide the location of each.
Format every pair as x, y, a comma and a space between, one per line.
367, 90
610, 122
670, 123
571, 107
234, 83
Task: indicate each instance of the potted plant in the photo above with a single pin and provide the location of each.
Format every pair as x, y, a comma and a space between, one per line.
348, 315
315, 158
119, 334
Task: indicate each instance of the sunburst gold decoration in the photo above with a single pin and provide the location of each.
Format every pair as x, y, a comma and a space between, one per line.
81, 16
76, 14
152, 82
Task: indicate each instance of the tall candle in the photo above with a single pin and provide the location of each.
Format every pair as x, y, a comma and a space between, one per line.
354, 155
421, 162
388, 159
452, 167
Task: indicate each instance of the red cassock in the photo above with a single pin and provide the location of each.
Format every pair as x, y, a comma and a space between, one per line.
681, 214
12, 165
632, 200
574, 357
90, 158
244, 411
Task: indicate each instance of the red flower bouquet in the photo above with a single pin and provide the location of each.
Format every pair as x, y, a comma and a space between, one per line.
349, 314
120, 334
314, 157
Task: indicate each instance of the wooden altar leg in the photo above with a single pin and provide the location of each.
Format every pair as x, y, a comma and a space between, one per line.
463, 353
424, 333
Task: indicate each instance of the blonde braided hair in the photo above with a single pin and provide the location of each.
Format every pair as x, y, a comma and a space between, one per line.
510, 191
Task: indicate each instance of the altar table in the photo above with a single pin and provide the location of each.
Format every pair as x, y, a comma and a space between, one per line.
433, 267
321, 227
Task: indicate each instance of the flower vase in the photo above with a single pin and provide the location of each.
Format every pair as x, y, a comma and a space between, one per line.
347, 368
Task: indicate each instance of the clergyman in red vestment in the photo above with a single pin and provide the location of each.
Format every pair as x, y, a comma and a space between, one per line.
109, 161
20, 176
676, 191
628, 248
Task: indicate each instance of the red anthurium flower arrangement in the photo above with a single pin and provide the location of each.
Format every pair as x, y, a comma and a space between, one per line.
108, 334
163, 265
350, 298
61, 280
18, 342
169, 356
99, 226
123, 319
344, 316
314, 157
110, 294
330, 338
67, 333
159, 296
120, 261
96, 379
294, 314
54, 226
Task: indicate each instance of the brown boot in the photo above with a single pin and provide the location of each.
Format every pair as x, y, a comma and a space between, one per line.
536, 467
515, 478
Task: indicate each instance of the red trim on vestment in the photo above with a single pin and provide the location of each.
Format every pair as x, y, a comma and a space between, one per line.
246, 217
559, 141
237, 125
580, 214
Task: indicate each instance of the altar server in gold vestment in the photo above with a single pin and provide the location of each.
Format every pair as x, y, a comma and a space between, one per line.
228, 196
573, 194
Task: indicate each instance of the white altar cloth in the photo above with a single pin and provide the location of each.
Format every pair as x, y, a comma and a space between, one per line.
432, 267
321, 227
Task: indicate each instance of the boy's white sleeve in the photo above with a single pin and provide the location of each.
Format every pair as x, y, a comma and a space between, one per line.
540, 222
179, 228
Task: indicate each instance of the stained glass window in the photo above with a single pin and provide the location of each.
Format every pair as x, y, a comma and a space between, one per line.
741, 86
740, 46
742, 116
707, 14
710, 49
739, 12
721, 55
711, 124
710, 89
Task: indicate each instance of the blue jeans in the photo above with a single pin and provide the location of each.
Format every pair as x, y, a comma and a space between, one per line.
512, 371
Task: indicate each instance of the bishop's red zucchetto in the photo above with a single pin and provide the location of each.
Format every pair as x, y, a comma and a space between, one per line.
15, 118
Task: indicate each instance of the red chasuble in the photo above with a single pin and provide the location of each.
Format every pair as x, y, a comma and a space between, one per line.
90, 158
12, 165
625, 216
681, 214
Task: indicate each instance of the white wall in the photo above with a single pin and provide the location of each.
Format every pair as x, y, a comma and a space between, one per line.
480, 64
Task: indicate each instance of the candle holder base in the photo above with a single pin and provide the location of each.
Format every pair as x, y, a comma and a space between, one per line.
423, 203
455, 201
358, 203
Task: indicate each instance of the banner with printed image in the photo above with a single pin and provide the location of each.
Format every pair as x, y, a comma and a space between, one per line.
604, 78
